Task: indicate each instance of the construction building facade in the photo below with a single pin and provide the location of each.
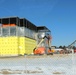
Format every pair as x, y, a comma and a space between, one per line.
17, 36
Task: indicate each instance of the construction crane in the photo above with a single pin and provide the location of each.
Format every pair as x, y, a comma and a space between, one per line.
72, 44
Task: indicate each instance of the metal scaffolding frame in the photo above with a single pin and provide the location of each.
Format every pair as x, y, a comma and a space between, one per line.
19, 22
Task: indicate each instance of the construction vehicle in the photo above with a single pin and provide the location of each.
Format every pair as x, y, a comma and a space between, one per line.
43, 41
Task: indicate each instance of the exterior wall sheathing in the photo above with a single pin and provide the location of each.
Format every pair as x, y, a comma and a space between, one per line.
16, 46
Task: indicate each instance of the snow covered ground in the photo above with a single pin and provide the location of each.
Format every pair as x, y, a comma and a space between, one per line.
40, 65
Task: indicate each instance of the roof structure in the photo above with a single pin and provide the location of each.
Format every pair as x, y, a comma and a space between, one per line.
22, 22
43, 28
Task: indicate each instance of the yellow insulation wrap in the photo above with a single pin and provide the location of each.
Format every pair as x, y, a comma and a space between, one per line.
16, 45
8, 45
30, 44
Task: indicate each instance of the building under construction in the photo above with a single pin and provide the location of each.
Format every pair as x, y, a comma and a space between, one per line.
18, 36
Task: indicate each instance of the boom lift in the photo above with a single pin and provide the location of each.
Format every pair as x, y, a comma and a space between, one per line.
43, 41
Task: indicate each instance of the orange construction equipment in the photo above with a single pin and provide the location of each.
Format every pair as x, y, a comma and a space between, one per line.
44, 46
40, 50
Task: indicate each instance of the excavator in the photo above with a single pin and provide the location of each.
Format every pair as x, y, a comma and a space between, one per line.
43, 42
